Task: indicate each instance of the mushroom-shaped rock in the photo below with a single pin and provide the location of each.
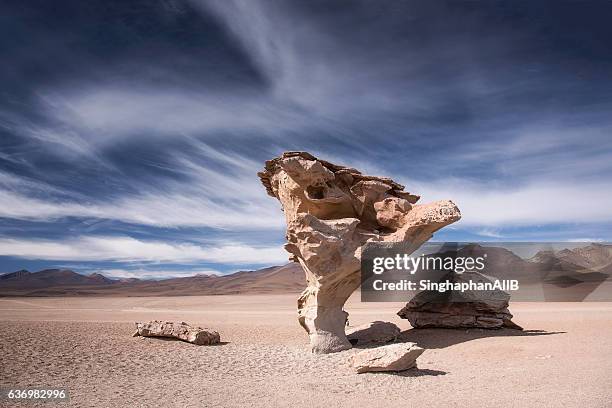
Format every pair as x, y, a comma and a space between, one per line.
331, 211
391, 357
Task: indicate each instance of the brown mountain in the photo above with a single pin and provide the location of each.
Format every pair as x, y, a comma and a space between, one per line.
594, 256
15, 275
51, 277
563, 268
63, 282
502, 263
590, 258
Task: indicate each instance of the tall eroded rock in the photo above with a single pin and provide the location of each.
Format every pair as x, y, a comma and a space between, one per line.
331, 212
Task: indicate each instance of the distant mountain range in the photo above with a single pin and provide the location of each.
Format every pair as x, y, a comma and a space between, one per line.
585, 263
64, 282
588, 265
564, 275
593, 257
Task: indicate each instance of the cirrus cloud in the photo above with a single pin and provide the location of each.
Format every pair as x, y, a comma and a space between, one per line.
128, 249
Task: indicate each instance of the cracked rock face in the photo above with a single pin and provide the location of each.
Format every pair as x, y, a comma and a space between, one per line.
331, 212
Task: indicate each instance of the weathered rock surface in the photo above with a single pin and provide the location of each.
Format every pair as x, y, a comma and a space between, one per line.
374, 332
331, 211
391, 357
454, 309
181, 331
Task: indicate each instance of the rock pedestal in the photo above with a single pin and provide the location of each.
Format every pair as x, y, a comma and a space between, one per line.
331, 211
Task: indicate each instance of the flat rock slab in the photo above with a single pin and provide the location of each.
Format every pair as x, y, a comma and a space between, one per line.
181, 331
372, 333
391, 357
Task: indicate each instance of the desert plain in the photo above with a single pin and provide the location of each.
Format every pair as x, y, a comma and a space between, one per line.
563, 358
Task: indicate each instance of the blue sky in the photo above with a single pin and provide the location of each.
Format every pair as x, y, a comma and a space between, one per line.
131, 131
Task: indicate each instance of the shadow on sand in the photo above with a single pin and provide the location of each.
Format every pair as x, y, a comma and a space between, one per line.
441, 338
413, 372
179, 341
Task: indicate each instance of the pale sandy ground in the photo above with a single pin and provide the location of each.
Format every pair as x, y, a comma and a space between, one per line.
85, 344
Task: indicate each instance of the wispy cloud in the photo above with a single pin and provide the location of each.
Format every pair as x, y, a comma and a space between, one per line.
127, 249
154, 274
489, 233
589, 240
158, 210
217, 190
98, 114
537, 203
310, 63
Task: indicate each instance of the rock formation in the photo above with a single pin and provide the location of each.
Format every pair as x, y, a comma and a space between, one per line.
181, 331
466, 309
391, 357
331, 212
374, 332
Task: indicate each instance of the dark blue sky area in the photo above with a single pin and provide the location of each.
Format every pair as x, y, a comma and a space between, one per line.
131, 131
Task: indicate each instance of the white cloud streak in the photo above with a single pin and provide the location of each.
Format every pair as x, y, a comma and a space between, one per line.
282, 48
154, 274
168, 210
128, 249
537, 203
100, 113
307, 64
227, 197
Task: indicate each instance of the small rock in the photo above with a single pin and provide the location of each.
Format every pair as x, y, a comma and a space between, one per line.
181, 331
374, 332
391, 357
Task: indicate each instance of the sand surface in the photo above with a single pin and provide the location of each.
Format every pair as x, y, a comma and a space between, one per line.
563, 359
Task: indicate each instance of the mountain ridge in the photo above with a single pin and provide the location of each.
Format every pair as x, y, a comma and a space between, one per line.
64, 282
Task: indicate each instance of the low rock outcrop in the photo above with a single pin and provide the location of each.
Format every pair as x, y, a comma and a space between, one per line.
372, 333
466, 309
331, 211
391, 357
181, 331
